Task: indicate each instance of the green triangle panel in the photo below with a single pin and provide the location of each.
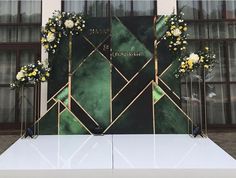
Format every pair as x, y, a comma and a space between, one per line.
70, 125
145, 76
157, 92
80, 50
138, 118
63, 96
48, 124
128, 54
169, 119
117, 82
169, 77
92, 88
97, 29
141, 28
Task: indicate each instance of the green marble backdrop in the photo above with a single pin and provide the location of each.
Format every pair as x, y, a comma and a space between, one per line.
113, 85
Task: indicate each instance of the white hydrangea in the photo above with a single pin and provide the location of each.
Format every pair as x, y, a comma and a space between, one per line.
194, 57
50, 37
176, 32
69, 24
20, 75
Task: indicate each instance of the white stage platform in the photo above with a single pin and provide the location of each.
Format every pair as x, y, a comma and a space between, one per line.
114, 156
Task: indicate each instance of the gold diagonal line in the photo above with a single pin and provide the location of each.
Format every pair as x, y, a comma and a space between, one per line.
120, 73
113, 66
169, 88
158, 100
90, 54
95, 49
89, 42
127, 107
76, 118
46, 112
179, 107
62, 110
166, 69
98, 44
132, 79
57, 92
85, 111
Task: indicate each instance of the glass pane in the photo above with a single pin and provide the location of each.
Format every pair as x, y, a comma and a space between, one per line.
7, 66
193, 45
222, 30
191, 105
7, 105
230, 9
31, 11
232, 60
27, 57
8, 11
27, 101
8, 34
216, 103
74, 6
190, 9
29, 34
219, 71
143, 8
231, 29
233, 102
212, 9
120, 8
98, 8
197, 30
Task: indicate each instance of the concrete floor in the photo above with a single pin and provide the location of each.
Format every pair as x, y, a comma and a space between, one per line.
226, 140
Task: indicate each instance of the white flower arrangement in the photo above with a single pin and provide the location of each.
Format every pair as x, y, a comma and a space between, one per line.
203, 59
31, 74
60, 24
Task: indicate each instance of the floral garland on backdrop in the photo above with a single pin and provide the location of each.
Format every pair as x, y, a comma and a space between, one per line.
176, 34
32, 74
60, 24
176, 38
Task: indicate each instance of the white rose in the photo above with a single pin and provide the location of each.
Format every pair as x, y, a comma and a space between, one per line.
20, 75
69, 24
194, 58
176, 32
50, 37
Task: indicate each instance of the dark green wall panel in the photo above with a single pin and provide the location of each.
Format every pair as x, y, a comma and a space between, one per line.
138, 118
124, 42
92, 88
122, 100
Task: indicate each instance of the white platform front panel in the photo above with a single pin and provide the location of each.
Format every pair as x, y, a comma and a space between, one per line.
117, 156
59, 152
168, 152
